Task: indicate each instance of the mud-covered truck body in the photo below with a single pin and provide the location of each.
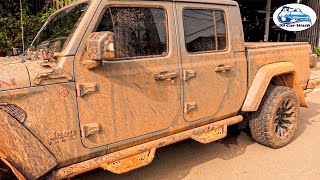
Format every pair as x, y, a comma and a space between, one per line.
106, 83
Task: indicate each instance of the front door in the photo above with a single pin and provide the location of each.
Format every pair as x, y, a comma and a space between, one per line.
214, 76
132, 96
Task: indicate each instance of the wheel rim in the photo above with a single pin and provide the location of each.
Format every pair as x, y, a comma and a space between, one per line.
285, 118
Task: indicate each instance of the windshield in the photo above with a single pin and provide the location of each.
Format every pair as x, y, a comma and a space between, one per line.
57, 32
296, 13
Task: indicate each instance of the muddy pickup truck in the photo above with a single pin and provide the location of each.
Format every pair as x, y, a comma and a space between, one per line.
106, 83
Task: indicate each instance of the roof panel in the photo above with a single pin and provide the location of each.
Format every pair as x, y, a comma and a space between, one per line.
225, 2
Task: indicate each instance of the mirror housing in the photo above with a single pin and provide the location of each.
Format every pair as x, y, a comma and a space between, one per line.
100, 46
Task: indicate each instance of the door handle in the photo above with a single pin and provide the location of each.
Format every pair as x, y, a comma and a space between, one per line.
222, 68
166, 75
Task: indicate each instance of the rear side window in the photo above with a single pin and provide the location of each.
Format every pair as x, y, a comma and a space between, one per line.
139, 31
204, 30
221, 30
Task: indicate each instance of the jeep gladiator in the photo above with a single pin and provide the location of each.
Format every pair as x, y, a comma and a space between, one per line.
107, 82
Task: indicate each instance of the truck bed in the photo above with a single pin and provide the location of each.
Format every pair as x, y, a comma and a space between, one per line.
262, 53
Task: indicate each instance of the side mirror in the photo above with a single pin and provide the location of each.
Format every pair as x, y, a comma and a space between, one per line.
100, 47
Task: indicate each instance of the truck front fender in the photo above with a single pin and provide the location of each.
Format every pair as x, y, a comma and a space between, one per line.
21, 151
262, 80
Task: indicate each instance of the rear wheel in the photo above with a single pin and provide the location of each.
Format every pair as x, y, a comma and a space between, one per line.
276, 120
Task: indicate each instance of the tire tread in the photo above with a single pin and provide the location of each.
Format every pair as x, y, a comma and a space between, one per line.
259, 122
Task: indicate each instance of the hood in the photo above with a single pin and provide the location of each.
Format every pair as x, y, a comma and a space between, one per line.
13, 73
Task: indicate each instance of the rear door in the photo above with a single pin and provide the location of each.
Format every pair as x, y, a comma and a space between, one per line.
214, 76
138, 94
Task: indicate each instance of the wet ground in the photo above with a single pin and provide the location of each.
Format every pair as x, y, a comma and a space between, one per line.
236, 157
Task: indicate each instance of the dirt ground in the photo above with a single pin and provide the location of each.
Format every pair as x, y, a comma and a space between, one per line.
236, 157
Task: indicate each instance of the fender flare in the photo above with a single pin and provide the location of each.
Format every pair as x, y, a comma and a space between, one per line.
21, 151
262, 80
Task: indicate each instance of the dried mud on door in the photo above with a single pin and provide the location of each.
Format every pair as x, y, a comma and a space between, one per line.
136, 96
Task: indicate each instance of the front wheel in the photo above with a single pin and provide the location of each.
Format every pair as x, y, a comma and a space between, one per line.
276, 120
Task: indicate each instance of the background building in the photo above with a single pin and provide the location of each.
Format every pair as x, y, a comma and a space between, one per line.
311, 35
254, 13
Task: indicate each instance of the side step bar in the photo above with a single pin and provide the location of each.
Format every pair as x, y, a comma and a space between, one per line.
143, 154
130, 163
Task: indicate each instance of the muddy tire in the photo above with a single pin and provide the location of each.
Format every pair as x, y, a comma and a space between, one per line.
276, 120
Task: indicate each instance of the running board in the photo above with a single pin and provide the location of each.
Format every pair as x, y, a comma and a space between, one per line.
130, 163
123, 160
212, 135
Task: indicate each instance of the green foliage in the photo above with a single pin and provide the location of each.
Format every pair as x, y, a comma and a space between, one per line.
44, 15
317, 51
10, 24
64, 2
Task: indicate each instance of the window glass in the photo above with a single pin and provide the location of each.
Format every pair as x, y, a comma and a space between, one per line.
221, 30
297, 13
138, 31
204, 30
57, 32
199, 30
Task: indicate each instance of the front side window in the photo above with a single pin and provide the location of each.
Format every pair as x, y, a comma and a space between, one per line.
57, 32
204, 30
139, 31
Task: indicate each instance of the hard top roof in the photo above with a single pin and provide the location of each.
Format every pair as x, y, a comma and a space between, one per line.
220, 2
224, 2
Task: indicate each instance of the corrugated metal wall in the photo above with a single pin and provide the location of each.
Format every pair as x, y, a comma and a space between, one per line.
311, 35
37, 5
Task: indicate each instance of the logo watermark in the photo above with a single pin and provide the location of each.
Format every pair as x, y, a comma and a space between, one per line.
294, 17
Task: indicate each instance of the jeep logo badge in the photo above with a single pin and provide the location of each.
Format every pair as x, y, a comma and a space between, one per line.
294, 17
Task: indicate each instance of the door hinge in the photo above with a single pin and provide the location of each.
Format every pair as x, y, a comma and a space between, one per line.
90, 129
187, 74
189, 106
86, 88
